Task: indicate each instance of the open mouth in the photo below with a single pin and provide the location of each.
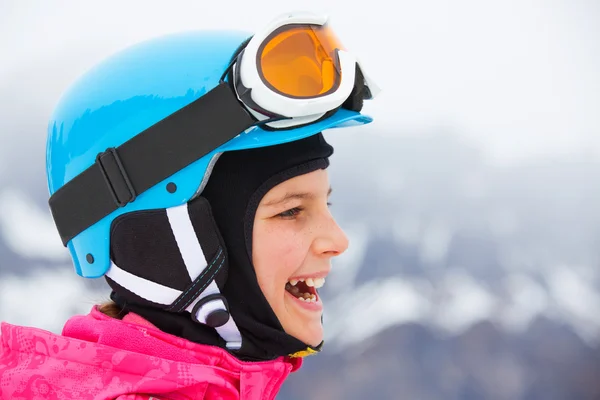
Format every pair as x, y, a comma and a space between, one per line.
305, 289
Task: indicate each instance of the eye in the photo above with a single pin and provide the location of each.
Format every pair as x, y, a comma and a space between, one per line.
291, 213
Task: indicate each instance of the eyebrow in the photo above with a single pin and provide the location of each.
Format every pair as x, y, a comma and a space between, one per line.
294, 195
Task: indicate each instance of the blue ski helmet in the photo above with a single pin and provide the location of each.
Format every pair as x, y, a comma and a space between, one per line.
162, 82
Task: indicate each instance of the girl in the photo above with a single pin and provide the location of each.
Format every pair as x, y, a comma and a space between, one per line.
190, 172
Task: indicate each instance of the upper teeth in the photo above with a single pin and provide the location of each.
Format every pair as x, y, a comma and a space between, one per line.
310, 282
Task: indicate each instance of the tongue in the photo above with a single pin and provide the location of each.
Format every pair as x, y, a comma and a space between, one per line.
301, 289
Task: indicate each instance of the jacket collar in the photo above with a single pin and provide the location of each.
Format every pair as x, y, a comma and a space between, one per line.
117, 357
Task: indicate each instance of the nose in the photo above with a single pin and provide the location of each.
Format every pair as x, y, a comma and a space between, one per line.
331, 240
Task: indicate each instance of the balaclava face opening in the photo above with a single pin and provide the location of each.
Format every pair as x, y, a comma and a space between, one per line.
222, 219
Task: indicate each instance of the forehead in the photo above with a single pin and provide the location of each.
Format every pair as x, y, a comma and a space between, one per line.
315, 183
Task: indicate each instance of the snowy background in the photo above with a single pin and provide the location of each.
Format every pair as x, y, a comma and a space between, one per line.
472, 203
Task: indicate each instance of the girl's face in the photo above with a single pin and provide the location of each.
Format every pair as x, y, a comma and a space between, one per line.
294, 239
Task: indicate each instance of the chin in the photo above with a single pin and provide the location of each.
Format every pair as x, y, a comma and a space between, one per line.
310, 333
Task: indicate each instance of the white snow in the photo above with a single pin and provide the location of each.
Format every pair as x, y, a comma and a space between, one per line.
527, 299
459, 302
466, 303
27, 229
374, 307
576, 300
46, 300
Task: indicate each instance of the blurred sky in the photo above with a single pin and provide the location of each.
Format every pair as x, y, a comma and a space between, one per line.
520, 77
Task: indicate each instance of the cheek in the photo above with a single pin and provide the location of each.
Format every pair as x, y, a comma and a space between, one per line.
277, 253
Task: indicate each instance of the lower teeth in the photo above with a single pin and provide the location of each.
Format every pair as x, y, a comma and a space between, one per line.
310, 298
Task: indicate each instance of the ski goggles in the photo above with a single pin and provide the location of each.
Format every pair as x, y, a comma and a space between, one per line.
296, 71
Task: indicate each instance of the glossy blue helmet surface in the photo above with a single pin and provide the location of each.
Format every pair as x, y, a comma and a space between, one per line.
128, 93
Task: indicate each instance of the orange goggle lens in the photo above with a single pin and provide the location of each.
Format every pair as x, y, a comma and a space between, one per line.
301, 61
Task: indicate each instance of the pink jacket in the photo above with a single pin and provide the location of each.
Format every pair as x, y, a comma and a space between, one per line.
98, 357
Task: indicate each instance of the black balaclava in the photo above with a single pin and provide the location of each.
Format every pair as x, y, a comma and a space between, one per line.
239, 180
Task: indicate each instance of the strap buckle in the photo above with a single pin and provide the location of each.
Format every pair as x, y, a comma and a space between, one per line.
116, 178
